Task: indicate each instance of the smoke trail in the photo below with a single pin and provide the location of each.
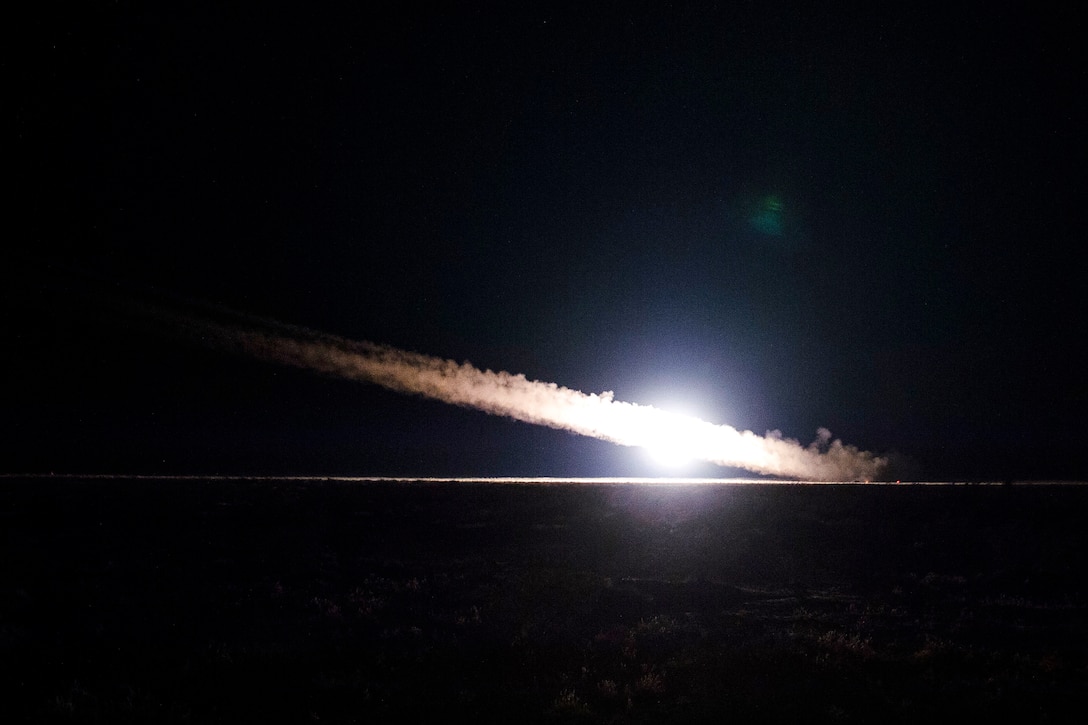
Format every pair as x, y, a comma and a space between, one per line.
500, 393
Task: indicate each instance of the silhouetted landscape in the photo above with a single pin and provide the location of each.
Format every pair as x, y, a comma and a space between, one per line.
165, 600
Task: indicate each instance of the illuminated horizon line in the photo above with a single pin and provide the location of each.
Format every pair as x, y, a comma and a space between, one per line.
526, 480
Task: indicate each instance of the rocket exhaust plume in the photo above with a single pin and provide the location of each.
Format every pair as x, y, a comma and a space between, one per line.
501, 393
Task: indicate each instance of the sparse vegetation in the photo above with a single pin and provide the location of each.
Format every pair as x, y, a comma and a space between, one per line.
157, 603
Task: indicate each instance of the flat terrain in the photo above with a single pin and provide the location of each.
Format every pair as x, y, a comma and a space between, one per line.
229, 601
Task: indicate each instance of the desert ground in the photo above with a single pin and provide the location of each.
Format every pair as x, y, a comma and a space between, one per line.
274, 600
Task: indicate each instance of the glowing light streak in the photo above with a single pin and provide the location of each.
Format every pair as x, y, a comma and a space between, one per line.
500, 393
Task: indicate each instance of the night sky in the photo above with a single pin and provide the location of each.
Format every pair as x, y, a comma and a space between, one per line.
769, 217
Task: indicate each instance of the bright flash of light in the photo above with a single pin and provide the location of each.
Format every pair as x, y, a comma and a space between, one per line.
670, 444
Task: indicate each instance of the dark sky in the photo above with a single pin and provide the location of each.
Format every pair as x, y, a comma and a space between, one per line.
777, 218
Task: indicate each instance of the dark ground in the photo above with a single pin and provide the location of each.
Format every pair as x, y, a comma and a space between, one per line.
211, 601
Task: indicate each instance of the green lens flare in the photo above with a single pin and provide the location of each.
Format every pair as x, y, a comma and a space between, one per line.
767, 218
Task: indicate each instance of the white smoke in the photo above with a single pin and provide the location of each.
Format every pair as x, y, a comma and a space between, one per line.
500, 393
